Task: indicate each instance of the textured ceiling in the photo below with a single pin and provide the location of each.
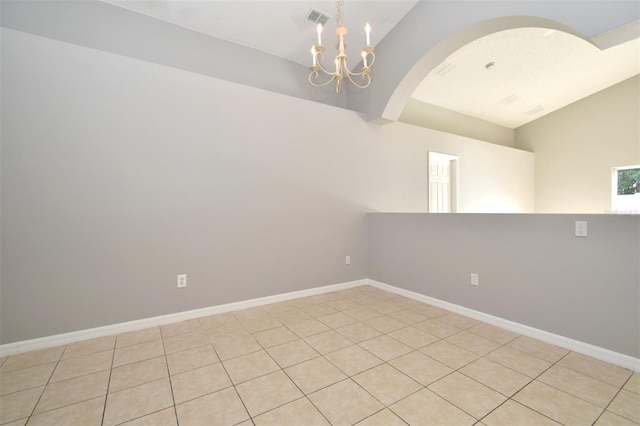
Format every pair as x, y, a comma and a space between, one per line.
535, 71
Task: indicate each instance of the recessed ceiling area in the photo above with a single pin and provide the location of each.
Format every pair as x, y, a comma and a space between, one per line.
516, 76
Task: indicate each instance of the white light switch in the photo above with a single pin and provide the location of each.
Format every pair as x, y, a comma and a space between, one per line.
581, 229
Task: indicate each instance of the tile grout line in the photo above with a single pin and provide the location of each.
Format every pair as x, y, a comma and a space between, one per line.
132, 386
576, 396
106, 396
508, 398
283, 372
351, 377
173, 397
528, 383
304, 395
45, 386
613, 399
533, 380
232, 385
60, 381
42, 393
453, 370
265, 349
353, 343
138, 384
538, 376
423, 387
471, 378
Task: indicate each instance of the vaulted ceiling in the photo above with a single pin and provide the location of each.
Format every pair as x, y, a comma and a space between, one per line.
507, 77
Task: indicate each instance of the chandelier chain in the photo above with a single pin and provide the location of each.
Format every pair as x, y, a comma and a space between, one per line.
340, 7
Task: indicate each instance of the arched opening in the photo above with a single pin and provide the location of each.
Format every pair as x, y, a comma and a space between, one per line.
435, 56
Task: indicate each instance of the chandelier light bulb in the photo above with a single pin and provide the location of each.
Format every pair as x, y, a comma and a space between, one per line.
319, 30
367, 30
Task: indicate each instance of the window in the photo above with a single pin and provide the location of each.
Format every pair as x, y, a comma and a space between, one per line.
625, 190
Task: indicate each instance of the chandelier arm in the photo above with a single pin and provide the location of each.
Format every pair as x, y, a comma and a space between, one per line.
363, 71
365, 76
315, 74
320, 84
319, 65
373, 58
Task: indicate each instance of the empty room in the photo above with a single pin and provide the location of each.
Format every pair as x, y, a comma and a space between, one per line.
371, 212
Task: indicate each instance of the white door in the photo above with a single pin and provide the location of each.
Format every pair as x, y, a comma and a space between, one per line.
442, 169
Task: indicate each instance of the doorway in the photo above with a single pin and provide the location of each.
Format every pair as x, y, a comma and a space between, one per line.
443, 183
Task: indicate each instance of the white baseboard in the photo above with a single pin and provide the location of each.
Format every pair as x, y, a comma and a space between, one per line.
597, 352
593, 351
109, 330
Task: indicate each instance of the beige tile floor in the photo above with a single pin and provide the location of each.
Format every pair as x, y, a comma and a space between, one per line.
359, 356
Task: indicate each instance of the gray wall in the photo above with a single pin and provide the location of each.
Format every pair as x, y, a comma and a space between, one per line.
118, 174
532, 269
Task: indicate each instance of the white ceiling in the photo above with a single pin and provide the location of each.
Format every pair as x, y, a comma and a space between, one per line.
536, 70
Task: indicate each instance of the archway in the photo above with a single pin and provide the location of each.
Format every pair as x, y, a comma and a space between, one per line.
435, 56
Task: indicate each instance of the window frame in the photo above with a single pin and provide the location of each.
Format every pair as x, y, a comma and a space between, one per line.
620, 204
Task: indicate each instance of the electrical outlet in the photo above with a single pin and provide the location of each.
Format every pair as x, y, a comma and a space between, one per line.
475, 281
347, 260
581, 229
182, 281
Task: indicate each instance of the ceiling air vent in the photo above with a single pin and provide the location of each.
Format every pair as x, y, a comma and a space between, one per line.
316, 17
535, 110
444, 69
510, 99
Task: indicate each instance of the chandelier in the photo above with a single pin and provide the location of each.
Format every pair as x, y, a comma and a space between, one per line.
360, 79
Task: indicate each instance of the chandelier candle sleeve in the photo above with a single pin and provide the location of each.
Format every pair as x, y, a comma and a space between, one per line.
360, 79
